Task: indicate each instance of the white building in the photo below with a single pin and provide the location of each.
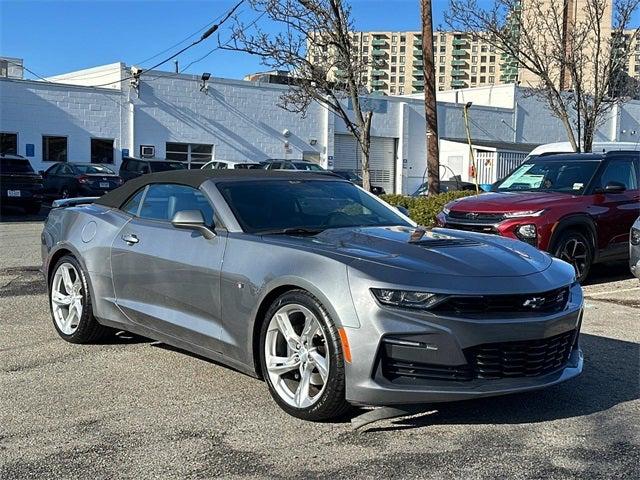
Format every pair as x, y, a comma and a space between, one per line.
98, 115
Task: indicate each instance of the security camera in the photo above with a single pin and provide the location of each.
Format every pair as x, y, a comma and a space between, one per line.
286, 133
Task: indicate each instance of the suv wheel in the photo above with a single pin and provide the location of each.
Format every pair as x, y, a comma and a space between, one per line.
574, 248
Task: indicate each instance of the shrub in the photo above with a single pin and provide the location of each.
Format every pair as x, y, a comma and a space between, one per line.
423, 209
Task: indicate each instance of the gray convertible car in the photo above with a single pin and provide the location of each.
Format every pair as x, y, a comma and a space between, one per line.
330, 295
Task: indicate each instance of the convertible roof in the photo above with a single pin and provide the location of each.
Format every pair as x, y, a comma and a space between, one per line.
194, 178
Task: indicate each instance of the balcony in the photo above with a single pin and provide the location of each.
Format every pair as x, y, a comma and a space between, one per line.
456, 72
417, 43
340, 73
459, 53
379, 42
459, 63
418, 63
378, 53
460, 42
458, 83
509, 71
378, 83
378, 73
418, 83
418, 73
417, 53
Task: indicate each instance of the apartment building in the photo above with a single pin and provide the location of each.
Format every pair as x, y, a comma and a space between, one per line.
395, 61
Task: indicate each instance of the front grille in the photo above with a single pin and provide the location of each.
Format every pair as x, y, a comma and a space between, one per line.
552, 301
477, 217
529, 358
471, 227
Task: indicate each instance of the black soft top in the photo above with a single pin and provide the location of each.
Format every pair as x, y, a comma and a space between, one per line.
194, 178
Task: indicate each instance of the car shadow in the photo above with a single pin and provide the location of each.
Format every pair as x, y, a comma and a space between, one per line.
609, 272
17, 215
611, 376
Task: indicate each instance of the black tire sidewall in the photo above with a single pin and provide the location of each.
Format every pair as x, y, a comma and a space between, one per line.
570, 235
332, 400
87, 322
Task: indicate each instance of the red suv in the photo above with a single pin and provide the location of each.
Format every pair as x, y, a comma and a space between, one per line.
579, 207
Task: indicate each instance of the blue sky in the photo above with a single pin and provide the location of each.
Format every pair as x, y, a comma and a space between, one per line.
60, 36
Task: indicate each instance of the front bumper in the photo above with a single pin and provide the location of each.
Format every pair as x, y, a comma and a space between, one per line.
447, 342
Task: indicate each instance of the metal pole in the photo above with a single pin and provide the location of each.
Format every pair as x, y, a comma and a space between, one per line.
472, 159
430, 105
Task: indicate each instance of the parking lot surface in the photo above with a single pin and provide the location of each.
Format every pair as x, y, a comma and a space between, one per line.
133, 408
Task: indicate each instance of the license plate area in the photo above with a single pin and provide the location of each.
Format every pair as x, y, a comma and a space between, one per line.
104, 184
14, 193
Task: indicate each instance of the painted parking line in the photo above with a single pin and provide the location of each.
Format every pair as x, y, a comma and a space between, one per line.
609, 292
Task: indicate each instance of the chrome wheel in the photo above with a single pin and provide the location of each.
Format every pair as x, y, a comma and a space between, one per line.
296, 355
66, 298
576, 253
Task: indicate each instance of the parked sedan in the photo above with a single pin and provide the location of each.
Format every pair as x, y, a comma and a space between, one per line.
356, 179
295, 165
65, 180
320, 288
634, 248
231, 164
134, 167
20, 185
445, 186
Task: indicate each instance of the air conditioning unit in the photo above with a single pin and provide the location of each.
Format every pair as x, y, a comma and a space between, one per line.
147, 151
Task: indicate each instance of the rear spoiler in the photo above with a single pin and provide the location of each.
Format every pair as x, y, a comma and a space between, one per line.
72, 202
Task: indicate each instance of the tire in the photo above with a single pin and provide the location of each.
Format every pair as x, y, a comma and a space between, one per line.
83, 328
329, 399
33, 209
575, 248
65, 193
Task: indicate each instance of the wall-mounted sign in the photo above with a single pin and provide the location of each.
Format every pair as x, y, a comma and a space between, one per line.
30, 150
125, 152
370, 104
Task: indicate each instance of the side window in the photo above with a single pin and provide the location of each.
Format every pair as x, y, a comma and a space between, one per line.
163, 201
132, 205
222, 165
53, 170
65, 170
621, 171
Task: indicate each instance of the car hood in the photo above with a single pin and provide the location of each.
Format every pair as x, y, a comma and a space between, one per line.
500, 202
440, 251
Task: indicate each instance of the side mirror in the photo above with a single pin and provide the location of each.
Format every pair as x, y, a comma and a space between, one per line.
402, 210
192, 220
612, 187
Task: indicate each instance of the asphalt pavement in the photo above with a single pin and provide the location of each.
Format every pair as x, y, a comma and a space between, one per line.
133, 408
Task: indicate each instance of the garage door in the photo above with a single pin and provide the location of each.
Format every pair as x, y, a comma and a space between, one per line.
382, 164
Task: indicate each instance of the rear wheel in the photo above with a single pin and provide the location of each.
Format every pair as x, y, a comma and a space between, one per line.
70, 302
574, 247
302, 359
65, 193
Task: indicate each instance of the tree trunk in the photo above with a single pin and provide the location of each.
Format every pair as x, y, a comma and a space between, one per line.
430, 105
365, 148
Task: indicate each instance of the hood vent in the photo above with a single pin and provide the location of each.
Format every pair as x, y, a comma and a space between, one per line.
448, 242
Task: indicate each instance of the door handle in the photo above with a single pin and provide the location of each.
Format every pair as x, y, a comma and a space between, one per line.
130, 238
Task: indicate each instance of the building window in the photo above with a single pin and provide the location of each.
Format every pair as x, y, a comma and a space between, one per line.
403, 39
474, 79
393, 68
54, 149
365, 49
443, 38
441, 69
393, 90
483, 48
474, 49
474, 69
402, 59
441, 88
474, 59
443, 59
401, 79
492, 69
193, 154
492, 48
483, 69
401, 90
401, 69
483, 58
441, 79
394, 59
394, 49
403, 49
365, 59
483, 79
394, 38
101, 150
365, 39
492, 79
443, 48
8, 143
393, 79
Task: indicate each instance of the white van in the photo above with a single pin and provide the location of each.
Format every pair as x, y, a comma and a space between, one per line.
598, 147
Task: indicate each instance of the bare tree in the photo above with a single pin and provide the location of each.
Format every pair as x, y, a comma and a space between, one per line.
575, 62
315, 44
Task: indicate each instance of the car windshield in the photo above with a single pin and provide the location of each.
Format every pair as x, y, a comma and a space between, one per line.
562, 176
352, 177
273, 206
313, 167
15, 165
164, 166
94, 169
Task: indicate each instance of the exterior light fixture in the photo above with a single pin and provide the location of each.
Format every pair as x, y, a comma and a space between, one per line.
204, 87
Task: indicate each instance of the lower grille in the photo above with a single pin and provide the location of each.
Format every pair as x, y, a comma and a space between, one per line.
472, 227
529, 358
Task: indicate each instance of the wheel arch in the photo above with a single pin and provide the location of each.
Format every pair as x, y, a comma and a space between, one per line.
580, 222
61, 251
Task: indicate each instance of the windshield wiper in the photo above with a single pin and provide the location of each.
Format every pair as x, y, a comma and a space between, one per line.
294, 231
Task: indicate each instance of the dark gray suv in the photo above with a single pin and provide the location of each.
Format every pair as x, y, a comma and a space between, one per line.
134, 167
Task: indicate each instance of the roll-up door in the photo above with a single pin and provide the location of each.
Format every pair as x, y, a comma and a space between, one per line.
347, 156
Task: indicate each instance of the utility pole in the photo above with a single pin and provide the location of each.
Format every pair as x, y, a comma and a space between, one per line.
430, 106
473, 169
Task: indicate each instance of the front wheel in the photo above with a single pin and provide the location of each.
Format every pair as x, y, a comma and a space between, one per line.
574, 248
302, 359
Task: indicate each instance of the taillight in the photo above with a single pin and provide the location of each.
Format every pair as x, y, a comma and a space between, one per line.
84, 179
119, 180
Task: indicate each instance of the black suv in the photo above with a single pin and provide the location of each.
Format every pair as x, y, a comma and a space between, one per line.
20, 185
134, 167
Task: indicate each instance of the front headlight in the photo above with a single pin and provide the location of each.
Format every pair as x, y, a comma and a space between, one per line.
446, 210
407, 299
527, 231
526, 213
635, 236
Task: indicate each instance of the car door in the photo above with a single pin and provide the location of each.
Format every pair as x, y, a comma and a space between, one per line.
168, 279
618, 210
49, 180
64, 178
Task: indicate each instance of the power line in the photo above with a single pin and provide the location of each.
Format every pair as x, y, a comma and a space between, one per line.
203, 37
30, 71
